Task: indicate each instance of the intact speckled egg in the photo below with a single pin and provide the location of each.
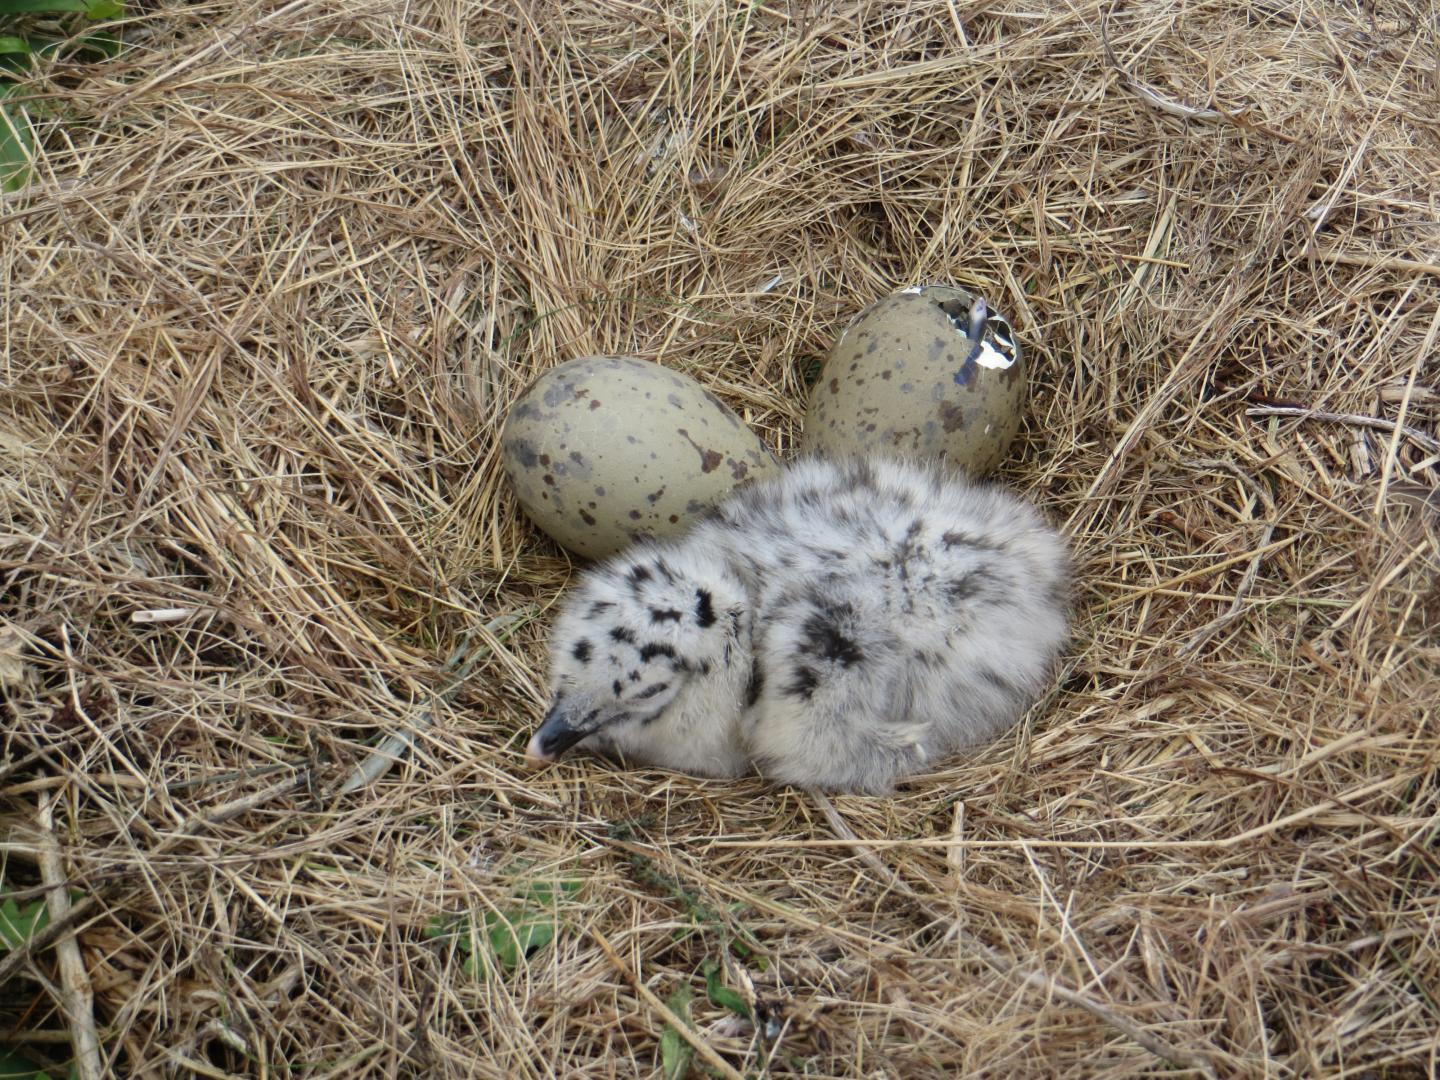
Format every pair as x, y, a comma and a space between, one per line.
930, 373
606, 449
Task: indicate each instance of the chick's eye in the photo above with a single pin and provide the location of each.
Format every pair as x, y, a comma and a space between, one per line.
658, 688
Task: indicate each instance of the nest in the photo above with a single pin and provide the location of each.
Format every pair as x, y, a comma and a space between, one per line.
262, 308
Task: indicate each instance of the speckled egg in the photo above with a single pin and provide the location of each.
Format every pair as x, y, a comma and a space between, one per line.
929, 372
605, 449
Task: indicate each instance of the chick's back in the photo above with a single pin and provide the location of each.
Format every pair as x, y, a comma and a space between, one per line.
899, 614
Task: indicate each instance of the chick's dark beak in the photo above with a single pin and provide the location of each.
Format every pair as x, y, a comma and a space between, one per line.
979, 318
554, 736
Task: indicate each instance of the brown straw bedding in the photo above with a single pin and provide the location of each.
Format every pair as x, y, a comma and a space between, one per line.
282, 267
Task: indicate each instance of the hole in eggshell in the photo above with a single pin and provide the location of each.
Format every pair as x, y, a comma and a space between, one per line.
957, 310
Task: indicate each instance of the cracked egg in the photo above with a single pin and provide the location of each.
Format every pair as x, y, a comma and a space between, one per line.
605, 449
926, 373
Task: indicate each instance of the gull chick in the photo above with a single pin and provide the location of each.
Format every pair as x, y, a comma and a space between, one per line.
838, 626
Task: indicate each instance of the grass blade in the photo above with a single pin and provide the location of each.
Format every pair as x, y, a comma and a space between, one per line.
30, 7
17, 140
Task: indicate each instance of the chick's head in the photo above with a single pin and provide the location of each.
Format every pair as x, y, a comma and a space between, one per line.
637, 632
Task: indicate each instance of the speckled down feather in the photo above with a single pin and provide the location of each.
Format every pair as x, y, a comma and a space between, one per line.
838, 626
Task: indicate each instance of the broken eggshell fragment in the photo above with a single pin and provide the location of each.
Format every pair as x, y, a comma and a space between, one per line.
605, 449
926, 373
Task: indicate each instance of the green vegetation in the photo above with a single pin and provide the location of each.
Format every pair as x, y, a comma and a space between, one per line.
15, 1066
30, 31
720, 995
495, 942
675, 1052
17, 923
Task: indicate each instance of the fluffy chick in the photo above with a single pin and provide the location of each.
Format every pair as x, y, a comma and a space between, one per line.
837, 626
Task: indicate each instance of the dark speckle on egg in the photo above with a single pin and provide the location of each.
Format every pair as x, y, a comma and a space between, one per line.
734, 420
709, 459
952, 417
524, 453
965, 376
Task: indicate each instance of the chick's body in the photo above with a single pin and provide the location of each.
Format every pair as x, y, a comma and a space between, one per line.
837, 626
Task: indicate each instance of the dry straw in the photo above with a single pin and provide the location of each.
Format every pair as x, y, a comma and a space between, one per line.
279, 272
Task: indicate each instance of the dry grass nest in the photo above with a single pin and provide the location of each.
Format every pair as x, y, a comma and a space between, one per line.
280, 271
